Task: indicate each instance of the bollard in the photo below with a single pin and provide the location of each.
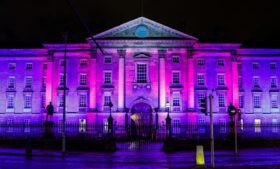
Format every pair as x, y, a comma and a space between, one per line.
200, 156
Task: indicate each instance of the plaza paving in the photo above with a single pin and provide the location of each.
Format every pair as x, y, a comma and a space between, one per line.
142, 159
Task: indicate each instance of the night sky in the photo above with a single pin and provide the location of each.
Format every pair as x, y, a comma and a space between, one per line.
29, 23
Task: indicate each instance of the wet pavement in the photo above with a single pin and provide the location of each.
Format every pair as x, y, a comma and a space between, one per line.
137, 159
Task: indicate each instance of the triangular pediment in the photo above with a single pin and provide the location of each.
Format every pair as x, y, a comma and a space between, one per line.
143, 28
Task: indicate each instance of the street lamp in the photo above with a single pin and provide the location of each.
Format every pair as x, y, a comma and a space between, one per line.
168, 120
232, 111
110, 120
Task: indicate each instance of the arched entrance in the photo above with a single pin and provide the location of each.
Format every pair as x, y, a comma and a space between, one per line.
141, 120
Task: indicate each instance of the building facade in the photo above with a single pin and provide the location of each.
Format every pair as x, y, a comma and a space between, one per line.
146, 70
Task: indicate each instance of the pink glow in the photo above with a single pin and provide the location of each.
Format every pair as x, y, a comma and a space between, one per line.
162, 83
92, 84
235, 92
49, 84
190, 83
121, 84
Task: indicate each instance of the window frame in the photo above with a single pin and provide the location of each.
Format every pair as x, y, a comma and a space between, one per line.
201, 80
83, 79
178, 78
29, 66
108, 57
137, 73
219, 80
105, 78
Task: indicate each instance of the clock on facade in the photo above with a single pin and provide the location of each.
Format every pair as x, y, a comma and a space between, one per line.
142, 31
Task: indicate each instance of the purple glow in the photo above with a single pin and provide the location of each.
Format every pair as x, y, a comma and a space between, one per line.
155, 84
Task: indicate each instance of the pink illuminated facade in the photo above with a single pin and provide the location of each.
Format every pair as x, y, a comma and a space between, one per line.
146, 66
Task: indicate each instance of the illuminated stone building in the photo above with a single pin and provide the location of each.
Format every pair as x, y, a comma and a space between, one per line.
145, 67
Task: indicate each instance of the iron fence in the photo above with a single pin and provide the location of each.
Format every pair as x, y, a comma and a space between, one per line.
129, 132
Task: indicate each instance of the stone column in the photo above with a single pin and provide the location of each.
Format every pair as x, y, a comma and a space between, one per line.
162, 84
190, 81
92, 81
121, 80
234, 77
49, 79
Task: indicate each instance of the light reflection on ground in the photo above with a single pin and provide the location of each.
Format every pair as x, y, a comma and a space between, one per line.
135, 158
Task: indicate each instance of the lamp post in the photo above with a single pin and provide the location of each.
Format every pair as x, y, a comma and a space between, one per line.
211, 132
232, 114
168, 121
110, 120
64, 96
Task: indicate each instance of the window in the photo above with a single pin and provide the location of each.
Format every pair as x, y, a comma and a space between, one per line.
221, 62
221, 79
43, 100
222, 124
60, 101
26, 125
27, 101
175, 77
200, 62
44, 83
241, 101
82, 125
10, 102
83, 63
176, 59
83, 101
12, 82
274, 101
176, 101
200, 80
256, 80
45, 66
257, 101
108, 59
201, 126
12, 66
257, 123
29, 66
255, 66
273, 82
239, 68
200, 97
272, 66
141, 73
107, 98
62, 62
83, 79
221, 100
107, 77
61, 79
274, 126
240, 82
10, 125
28, 82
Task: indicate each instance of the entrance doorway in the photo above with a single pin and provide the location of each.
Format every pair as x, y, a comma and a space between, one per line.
141, 121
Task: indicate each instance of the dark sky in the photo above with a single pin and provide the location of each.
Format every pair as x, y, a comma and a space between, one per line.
29, 23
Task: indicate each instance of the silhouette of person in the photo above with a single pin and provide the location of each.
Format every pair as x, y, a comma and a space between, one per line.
50, 111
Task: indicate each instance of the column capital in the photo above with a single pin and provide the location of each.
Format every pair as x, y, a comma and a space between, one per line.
234, 57
93, 53
161, 53
50, 56
122, 52
190, 53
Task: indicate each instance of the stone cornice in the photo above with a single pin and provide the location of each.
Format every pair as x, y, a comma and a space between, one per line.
23, 52
138, 43
217, 46
70, 47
